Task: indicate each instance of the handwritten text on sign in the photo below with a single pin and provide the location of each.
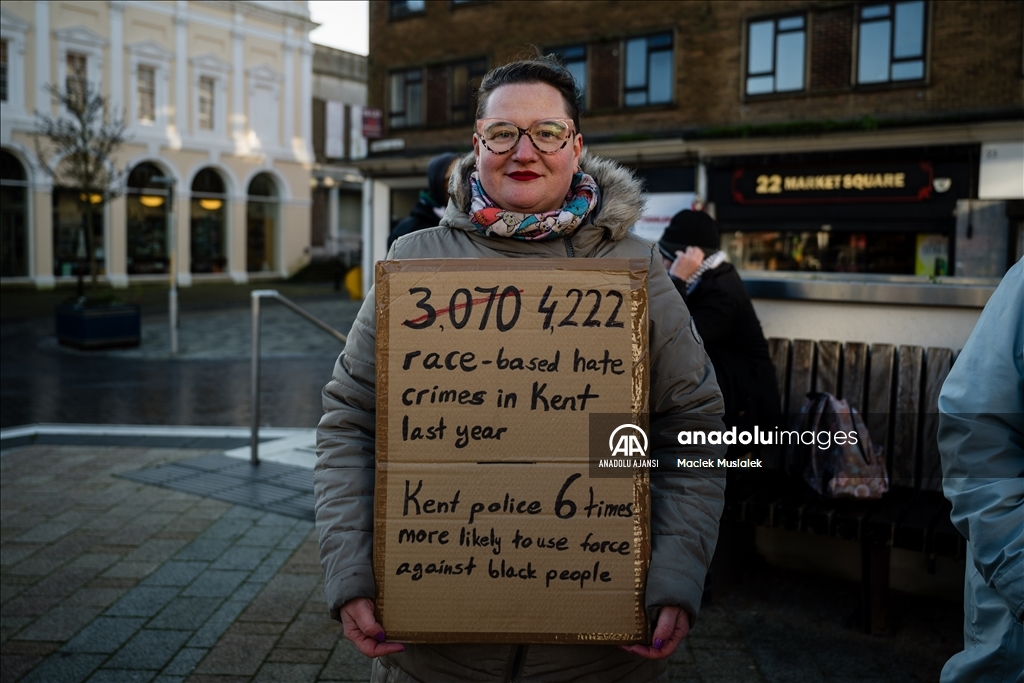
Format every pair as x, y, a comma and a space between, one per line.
487, 375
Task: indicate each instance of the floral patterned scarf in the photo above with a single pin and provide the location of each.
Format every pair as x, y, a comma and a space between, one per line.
491, 220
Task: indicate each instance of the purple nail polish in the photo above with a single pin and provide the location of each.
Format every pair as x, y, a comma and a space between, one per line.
380, 637
658, 643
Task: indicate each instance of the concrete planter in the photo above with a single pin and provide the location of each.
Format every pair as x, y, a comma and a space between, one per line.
103, 327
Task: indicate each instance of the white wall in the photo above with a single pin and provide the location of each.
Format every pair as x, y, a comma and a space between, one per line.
873, 323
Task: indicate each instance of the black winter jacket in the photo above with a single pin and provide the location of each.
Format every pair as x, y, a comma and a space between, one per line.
732, 335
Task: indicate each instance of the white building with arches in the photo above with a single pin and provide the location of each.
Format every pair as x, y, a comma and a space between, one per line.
216, 97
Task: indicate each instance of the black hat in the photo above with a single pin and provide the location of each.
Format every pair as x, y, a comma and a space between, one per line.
690, 229
436, 170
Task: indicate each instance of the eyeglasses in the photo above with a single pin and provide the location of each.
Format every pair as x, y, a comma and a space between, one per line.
548, 135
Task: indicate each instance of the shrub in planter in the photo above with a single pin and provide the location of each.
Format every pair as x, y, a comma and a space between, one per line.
98, 324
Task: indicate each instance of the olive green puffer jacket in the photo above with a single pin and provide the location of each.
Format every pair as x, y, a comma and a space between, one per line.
685, 504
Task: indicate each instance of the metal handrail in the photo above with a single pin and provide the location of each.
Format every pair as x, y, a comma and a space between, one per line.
256, 295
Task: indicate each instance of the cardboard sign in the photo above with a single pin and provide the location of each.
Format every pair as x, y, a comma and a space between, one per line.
488, 526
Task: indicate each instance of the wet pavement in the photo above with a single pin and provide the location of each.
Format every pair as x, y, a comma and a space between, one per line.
207, 383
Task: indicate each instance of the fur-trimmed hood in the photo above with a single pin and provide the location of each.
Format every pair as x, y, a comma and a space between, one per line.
620, 206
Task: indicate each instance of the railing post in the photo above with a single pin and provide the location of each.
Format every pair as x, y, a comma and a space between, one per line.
256, 295
255, 383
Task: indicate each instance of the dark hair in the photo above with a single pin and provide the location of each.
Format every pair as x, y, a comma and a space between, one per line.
545, 69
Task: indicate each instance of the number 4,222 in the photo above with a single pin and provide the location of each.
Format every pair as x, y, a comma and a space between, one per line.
547, 306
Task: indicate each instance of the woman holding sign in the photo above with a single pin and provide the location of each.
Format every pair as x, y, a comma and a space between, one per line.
529, 191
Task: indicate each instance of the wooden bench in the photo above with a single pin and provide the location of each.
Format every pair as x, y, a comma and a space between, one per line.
896, 389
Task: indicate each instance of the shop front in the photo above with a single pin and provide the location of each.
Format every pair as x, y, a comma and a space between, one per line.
878, 245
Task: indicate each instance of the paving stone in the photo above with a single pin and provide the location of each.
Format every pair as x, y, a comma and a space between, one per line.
60, 623
228, 528
121, 676
29, 605
133, 534
297, 535
346, 664
170, 679
247, 591
203, 549
96, 560
280, 672
149, 649
142, 601
185, 613
45, 533
63, 667
105, 634
157, 550
132, 570
101, 597
298, 656
274, 561
175, 573
12, 553
215, 584
64, 581
282, 598
9, 626
244, 557
9, 590
311, 631
718, 667
216, 625
185, 661
238, 655
264, 535
14, 666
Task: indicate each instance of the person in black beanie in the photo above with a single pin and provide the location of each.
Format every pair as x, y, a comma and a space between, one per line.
430, 206
726, 321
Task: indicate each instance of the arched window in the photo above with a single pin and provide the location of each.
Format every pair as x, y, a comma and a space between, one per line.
262, 218
209, 223
13, 217
147, 207
77, 228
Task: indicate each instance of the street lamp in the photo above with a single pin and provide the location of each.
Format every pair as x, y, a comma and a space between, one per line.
172, 295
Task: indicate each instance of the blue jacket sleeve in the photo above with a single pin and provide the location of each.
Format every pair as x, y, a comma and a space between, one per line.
981, 441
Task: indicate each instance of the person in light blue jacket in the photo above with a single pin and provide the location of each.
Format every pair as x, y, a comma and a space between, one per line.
981, 440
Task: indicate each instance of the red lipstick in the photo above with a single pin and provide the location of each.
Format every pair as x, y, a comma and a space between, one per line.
523, 175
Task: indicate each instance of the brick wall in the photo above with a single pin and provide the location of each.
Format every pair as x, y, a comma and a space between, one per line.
974, 65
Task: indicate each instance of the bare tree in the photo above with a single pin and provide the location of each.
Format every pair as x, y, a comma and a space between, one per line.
76, 149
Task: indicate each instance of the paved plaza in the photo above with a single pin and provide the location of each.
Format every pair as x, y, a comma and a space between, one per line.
109, 574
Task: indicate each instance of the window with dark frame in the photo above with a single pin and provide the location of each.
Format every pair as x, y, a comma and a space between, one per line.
574, 58
891, 42
403, 8
147, 94
648, 77
207, 87
3, 70
405, 105
465, 78
776, 54
76, 79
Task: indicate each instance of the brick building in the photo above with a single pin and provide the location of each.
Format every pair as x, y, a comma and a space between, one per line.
872, 139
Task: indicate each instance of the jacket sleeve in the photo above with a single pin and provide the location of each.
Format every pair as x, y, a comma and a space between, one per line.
716, 315
343, 478
686, 503
981, 441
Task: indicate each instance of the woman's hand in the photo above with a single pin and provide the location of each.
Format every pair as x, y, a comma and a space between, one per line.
686, 263
363, 630
673, 625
